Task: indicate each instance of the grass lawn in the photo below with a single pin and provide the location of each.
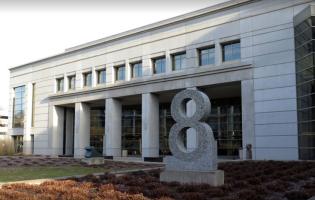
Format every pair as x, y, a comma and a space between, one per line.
29, 173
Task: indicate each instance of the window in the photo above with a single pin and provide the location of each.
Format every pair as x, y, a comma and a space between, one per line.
33, 104
120, 73
60, 83
18, 107
305, 82
101, 76
206, 56
159, 65
87, 77
71, 81
231, 51
136, 70
179, 61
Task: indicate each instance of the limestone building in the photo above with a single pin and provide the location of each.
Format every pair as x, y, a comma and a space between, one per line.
253, 58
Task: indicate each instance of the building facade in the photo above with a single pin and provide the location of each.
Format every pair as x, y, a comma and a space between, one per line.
253, 58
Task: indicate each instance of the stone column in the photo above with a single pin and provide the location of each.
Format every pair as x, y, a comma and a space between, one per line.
81, 129
248, 126
150, 125
65, 83
169, 62
56, 119
128, 70
113, 127
27, 144
94, 77
218, 53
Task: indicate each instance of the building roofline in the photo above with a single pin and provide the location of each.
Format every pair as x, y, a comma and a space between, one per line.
146, 28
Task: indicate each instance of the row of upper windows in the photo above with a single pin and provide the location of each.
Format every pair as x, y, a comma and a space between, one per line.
206, 56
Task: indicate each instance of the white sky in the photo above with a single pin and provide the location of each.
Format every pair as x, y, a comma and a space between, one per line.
34, 29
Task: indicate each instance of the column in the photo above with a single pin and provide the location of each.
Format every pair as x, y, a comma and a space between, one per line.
218, 53
113, 127
191, 58
56, 122
150, 125
27, 143
81, 129
65, 83
94, 77
169, 62
248, 129
147, 68
128, 70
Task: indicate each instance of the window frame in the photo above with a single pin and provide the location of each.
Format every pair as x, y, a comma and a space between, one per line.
133, 65
98, 72
183, 62
224, 44
21, 105
58, 85
69, 82
200, 54
154, 66
117, 72
85, 75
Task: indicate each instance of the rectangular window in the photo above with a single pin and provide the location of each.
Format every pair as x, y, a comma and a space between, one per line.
136, 70
33, 104
60, 83
159, 65
71, 82
18, 107
231, 51
206, 56
179, 61
120, 73
101, 76
87, 77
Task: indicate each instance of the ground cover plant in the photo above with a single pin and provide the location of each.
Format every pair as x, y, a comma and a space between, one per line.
268, 180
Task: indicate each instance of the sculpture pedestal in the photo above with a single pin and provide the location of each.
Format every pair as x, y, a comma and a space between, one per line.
94, 161
213, 178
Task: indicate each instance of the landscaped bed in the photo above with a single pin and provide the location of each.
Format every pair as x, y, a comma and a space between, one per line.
243, 180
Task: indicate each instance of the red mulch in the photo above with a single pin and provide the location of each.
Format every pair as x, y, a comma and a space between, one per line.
268, 180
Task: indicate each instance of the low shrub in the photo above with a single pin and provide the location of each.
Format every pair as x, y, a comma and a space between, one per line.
6, 146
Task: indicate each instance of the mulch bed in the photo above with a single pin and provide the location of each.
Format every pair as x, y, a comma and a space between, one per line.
248, 180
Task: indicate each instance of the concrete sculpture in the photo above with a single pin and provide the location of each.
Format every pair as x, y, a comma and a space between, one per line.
199, 165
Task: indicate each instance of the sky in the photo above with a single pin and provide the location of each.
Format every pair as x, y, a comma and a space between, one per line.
35, 29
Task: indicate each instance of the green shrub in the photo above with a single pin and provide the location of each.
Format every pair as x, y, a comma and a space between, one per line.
6, 146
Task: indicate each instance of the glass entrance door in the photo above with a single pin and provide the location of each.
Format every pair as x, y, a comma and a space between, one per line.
97, 129
226, 123
131, 131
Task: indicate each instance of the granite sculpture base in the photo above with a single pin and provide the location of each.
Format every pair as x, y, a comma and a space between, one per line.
94, 161
201, 171
214, 178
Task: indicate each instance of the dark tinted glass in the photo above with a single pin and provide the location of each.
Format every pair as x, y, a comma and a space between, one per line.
159, 65
305, 82
232, 51
18, 107
207, 56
